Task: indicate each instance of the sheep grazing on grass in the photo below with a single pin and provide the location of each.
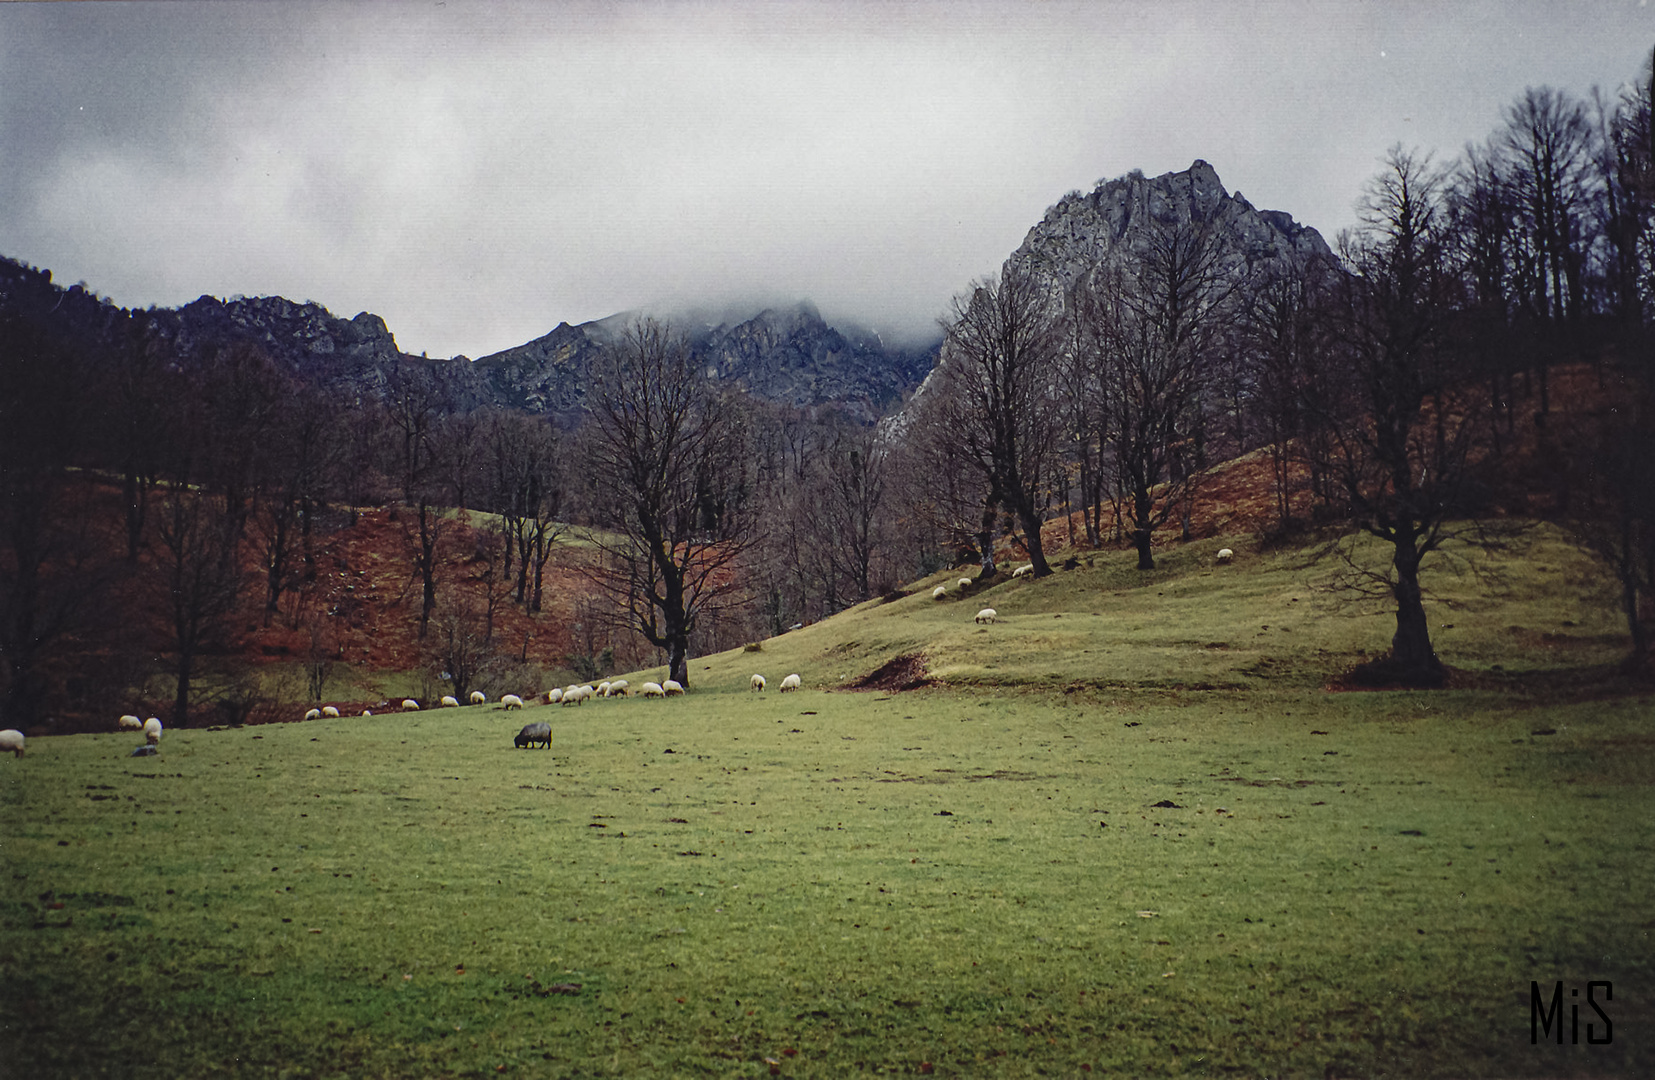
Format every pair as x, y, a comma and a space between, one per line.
330, 712
939, 593
965, 583
313, 714
538, 732
410, 705
652, 689
792, 682
672, 687
511, 701
478, 697
987, 615
367, 712
620, 688
1225, 555
11, 740
449, 701
130, 722
758, 682
554, 695
1021, 570
603, 688
152, 730
573, 695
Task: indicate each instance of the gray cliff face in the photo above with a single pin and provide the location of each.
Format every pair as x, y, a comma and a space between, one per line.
344, 357
787, 356
1113, 223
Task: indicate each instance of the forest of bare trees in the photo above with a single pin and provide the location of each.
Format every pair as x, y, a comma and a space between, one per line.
160, 496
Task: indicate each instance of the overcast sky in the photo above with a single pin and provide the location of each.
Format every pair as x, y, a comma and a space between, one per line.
476, 173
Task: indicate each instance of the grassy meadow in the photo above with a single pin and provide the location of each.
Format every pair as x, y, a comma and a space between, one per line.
1127, 832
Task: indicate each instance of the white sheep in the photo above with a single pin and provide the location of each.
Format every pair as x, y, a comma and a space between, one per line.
671, 687
313, 714
410, 705
572, 695
11, 739
478, 697
511, 701
939, 593
987, 615
588, 691
758, 682
152, 730
1021, 570
330, 712
449, 701
792, 682
620, 688
603, 688
652, 689
554, 695
130, 722
1225, 555
367, 712
965, 583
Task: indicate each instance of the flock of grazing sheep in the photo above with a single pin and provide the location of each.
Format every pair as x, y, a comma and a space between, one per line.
11, 740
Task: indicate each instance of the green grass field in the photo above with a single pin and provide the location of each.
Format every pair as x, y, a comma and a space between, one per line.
1131, 834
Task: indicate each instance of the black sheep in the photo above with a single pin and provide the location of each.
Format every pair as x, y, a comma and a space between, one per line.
538, 732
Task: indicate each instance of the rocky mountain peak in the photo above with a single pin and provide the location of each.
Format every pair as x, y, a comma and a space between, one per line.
1114, 222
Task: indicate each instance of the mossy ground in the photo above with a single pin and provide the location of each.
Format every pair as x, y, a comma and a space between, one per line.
979, 878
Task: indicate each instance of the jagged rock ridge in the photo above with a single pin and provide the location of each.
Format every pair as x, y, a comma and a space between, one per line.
1115, 221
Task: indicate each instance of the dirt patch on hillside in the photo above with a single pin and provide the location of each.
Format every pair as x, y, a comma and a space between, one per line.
903, 673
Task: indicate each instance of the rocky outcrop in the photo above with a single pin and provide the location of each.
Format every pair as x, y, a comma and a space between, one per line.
1115, 222
789, 356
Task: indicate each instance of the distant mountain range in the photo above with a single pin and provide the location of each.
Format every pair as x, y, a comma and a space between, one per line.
786, 355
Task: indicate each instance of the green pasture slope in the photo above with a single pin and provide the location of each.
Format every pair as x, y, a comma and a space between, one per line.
1130, 835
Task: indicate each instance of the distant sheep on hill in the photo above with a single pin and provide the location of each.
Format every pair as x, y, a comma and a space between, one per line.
330, 712
757, 682
1021, 570
987, 615
449, 701
554, 695
152, 730
965, 584
792, 682
11, 740
478, 697
313, 714
511, 701
410, 705
672, 688
652, 689
1225, 555
130, 722
620, 688
939, 593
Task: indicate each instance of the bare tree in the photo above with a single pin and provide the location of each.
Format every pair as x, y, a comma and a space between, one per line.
677, 525
527, 492
1402, 426
196, 579
1153, 325
1547, 143
999, 400
55, 581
